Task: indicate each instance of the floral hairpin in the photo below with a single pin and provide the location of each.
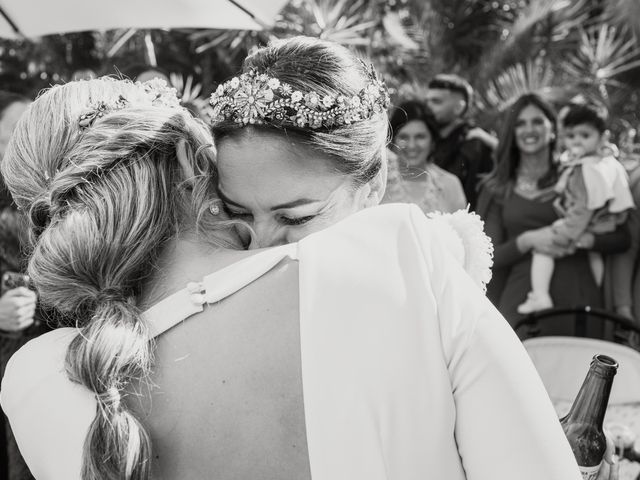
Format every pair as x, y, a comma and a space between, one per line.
256, 98
154, 93
160, 94
99, 109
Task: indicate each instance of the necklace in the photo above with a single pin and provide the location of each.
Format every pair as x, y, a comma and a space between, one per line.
526, 185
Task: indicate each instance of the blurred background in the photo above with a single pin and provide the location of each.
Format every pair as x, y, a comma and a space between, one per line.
504, 47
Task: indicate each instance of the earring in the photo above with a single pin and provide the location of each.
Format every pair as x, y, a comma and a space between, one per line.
214, 208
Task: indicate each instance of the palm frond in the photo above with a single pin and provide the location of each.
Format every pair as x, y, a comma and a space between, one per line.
414, 90
190, 95
346, 22
397, 33
535, 76
231, 40
624, 13
185, 88
541, 27
464, 29
604, 53
560, 16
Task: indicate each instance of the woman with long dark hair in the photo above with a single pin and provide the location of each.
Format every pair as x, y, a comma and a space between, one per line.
516, 202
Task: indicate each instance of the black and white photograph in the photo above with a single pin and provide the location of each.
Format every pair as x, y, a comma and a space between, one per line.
319, 240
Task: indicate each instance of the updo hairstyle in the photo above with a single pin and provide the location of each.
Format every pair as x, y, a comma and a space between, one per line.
103, 200
326, 68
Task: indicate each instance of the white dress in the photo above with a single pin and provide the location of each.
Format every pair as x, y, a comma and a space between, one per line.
409, 372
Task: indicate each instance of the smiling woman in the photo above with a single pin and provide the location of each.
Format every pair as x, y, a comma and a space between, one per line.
516, 202
287, 191
413, 176
301, 144
298, 151
365, 350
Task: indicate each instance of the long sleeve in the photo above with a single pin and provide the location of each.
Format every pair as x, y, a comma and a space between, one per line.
506, 251
577, 216
506, 426
399, 367
623, 264
477, 158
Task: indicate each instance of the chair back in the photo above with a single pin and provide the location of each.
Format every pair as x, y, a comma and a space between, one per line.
563, 362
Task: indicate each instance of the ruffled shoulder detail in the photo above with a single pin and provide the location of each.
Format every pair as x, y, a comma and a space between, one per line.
463, 233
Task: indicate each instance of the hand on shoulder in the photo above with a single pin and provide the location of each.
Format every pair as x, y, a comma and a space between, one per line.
477, 133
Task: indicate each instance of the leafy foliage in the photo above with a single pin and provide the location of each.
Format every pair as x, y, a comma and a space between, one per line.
504, 47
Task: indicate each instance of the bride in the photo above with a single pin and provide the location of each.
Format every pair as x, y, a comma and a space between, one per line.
357, 349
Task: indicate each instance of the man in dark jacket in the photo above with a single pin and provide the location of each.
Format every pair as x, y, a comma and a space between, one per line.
462, 149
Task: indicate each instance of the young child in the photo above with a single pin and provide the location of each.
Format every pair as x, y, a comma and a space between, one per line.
593, 196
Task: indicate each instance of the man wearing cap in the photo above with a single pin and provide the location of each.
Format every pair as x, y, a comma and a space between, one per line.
462, 149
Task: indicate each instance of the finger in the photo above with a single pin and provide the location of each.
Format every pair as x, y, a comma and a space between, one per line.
25, 322
31, 295
17, 323
21, 302
610, 450
614, 469
19, 292
26, 312
11, 326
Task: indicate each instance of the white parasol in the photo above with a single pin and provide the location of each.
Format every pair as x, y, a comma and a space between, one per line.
32, 18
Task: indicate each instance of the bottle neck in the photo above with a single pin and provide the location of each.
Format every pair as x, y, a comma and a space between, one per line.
591, 403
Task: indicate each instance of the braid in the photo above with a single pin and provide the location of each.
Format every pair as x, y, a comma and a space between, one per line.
101, 240
103, 202
113, 349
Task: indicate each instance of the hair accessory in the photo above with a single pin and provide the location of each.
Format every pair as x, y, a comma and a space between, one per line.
155, 93
256, 98
160, 93
98, 110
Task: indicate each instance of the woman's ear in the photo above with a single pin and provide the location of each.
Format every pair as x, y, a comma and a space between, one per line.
185, 161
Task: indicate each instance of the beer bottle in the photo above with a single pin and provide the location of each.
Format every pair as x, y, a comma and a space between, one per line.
583, 424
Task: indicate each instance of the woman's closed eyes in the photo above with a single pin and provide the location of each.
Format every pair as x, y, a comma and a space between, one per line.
283, 219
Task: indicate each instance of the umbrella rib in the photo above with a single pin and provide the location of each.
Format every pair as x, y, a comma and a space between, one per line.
248, 12
10, 22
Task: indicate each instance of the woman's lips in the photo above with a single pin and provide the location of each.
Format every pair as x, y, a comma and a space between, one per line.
411, 154
530, 140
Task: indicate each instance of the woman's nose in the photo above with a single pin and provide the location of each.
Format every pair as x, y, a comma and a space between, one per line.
267, 235
527, 127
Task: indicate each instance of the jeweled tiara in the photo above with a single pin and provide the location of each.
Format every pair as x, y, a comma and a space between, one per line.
256, 98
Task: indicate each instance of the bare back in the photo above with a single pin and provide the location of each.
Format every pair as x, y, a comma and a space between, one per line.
226, 400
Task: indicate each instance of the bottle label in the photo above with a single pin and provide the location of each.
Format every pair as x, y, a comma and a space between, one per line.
589, 473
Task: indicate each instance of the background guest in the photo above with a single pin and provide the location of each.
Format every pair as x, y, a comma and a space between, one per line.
413, 177
466, 156
17, 306
516, 201
593, 195
621, 281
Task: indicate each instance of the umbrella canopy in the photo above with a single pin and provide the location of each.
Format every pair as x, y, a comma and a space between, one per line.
32, 18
